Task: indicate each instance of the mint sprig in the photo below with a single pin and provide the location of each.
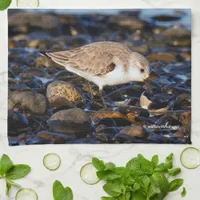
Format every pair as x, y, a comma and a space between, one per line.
140, 179
60, 192
11, 172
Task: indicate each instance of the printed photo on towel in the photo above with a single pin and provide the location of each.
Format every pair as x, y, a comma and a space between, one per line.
99, 76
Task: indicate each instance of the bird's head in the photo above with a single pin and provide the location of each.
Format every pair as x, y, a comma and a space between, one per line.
139, 67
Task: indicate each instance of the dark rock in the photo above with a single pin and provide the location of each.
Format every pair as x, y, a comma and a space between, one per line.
31, 72
54, 138
119, 118
134, 131
28, 102
20, 22
71, 121
161, 56
16, 121
130, 22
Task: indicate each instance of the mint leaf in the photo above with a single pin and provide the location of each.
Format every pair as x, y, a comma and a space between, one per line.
162, 182
18, 171
174, 172
145, 183
109, 166
114, 188
168, 161
69, 193
183, 193
140, 166
61, 193
58, 188
107, 175
154, 161
137, 196
128, 196
98, 164
136, 186
170, 157
133, 164
161, 168
153, 190
145, 164
5, 164
175, 184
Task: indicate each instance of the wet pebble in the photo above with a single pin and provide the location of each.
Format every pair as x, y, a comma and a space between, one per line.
161, 56
119, 118
16, 121
54, 138
62, 94
27, 102
20, 22
71, 121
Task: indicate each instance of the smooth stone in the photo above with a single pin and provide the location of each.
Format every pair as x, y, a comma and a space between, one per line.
161, 56
72, 121
34, 20
119, 118
28, 102
134, 131
16, 121
63, 94
54, 138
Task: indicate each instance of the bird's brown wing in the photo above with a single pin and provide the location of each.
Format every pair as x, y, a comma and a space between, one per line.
90, 59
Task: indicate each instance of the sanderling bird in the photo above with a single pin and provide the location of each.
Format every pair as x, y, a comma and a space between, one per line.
104, 63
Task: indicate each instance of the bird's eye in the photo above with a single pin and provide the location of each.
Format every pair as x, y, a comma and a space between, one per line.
142, 70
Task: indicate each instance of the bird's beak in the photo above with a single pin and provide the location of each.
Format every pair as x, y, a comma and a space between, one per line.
147, 82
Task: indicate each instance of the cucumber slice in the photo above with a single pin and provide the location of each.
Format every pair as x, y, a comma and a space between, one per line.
52, 161
190, 158
26, 194
27, 3
88, 174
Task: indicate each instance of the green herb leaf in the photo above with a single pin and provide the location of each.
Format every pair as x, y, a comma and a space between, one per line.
5, 164
107, 175
109, 166
168, 161
69, 193
137, 196
136, 186
153, 190
184, 192
98, 164
58, 188
162, 182
145, 183
154, 161
4, 4
18, 171
174, 172
161, 168
61, 193
114, 188
175, 184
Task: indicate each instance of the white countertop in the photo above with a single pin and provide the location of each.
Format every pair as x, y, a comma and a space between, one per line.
74, 156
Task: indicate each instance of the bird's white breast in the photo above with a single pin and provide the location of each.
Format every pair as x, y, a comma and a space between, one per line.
116, 77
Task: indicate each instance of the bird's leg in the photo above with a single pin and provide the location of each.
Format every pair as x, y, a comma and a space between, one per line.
91, 93
103, 100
